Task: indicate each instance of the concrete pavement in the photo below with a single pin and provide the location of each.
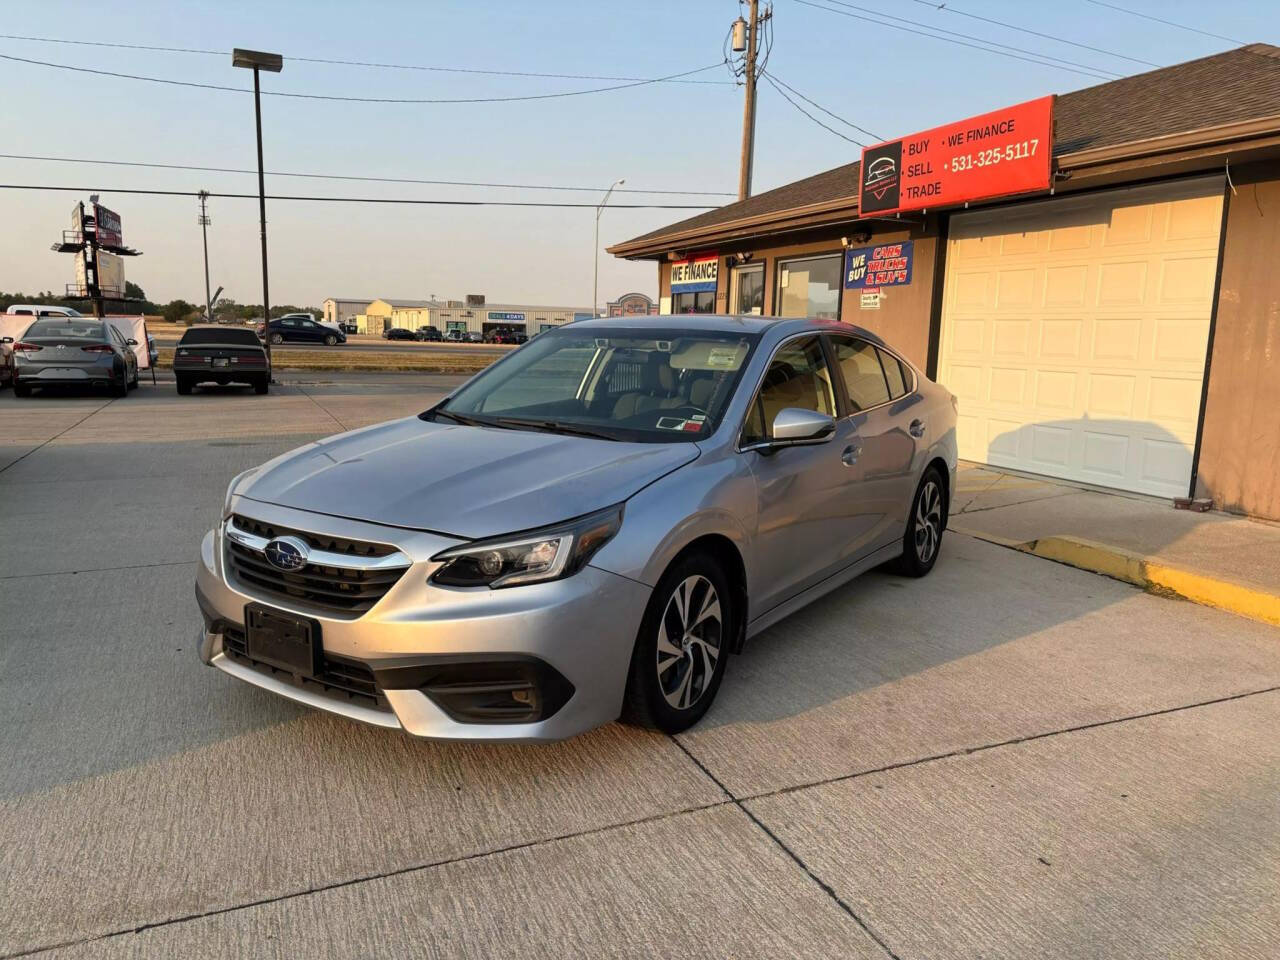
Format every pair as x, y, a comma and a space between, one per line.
1223, 560
1006, 758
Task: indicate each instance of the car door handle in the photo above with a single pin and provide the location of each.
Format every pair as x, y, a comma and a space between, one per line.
917, 428
850, 455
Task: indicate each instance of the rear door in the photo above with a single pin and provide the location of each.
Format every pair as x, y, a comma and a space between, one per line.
885, 428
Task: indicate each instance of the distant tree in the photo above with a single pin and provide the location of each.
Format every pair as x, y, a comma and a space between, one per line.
178, 311
133, 291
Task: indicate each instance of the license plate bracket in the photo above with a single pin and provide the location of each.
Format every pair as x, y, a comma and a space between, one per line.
222, 361
282, 640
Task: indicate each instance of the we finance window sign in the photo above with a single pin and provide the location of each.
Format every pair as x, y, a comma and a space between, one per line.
696, 274
997, 154
886, 265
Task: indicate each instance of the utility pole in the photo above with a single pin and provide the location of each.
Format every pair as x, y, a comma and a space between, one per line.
256, 60
749, 104
204, 231
595, 250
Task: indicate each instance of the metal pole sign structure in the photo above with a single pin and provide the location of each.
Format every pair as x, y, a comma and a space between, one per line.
97, 241
204, 233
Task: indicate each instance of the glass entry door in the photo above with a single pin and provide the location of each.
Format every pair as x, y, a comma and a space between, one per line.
746, 289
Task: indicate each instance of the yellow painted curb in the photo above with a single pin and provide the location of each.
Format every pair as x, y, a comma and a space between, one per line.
1149, 574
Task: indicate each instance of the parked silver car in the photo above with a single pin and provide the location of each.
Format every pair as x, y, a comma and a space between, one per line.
583, 531
73, 351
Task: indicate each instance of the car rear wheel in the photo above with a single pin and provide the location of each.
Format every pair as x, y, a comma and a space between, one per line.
261, 385
680, 653
923, 538
121, 389
277, 338
184, 385
21, 389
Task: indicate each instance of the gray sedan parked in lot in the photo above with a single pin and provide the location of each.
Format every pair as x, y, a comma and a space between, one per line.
585, 530
73, 351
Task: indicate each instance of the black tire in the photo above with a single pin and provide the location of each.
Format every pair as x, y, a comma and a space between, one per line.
21, 389
133, 384
680, 673
184, 385
925, 526
121, 389
330, 340
277, 338
261, 385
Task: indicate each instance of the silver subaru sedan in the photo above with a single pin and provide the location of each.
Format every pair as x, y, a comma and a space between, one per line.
584, 531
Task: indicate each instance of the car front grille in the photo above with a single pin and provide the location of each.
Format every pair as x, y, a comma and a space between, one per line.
346, 678
341, 577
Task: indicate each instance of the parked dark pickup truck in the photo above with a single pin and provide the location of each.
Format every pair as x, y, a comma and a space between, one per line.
220, 355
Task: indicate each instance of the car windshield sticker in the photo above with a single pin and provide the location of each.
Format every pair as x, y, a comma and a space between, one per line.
723, 357
671, 423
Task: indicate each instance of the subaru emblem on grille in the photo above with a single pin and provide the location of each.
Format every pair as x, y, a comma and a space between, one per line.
287, 553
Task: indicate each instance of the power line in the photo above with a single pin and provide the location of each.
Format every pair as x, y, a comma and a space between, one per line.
347, 63
408, 200
1168, 23
1035, 33
1040, 59
829, 129
319, 96
1054, 61
836, 116
334, 176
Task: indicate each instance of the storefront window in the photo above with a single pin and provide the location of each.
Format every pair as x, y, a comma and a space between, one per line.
704, 301
747, 289
809, 287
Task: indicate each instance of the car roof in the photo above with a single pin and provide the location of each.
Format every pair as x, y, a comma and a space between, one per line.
724, 323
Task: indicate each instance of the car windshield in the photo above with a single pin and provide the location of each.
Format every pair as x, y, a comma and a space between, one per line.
66, 327
652, 386
203, 335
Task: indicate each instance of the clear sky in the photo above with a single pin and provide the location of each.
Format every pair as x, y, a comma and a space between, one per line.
661, 136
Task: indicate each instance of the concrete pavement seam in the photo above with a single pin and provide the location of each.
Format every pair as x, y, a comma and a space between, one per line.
1013, 741
365, 878
1018, 503
795, 857
59, 434
72, 573
323, 409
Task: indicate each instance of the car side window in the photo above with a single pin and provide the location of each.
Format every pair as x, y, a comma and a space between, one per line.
797, 376
893, 372
288, 323
864, 377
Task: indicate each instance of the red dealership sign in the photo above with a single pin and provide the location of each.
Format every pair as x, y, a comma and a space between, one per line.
110, 233
997, 154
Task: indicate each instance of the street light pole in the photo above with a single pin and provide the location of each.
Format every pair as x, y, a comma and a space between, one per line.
595, 250
255, 60
204, 232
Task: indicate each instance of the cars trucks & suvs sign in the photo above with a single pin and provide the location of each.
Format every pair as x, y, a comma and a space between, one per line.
997, 154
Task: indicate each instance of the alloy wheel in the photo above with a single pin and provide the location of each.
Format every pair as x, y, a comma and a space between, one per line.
928, 521
689, 642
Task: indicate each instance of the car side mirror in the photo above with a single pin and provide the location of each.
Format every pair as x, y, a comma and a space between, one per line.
793, 426
131, 342
6, 339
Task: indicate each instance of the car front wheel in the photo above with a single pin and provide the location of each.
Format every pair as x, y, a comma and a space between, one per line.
331, 341
680, 653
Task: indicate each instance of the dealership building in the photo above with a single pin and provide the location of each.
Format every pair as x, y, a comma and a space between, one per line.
1095, 275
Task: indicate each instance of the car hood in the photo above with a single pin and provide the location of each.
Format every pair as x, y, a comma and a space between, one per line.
462, 481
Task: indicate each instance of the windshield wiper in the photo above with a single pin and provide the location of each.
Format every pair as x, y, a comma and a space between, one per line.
465, 420
557, 426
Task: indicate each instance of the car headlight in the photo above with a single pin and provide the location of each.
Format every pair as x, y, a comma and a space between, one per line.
231, 489
547, 554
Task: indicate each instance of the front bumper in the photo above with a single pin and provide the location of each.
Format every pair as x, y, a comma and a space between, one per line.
571, 640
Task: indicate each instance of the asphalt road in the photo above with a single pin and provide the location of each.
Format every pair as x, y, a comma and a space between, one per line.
1008, 758
375, 344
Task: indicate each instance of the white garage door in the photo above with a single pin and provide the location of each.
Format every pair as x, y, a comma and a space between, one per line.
1074, 333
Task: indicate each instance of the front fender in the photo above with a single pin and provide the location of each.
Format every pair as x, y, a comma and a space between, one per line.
709, 497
